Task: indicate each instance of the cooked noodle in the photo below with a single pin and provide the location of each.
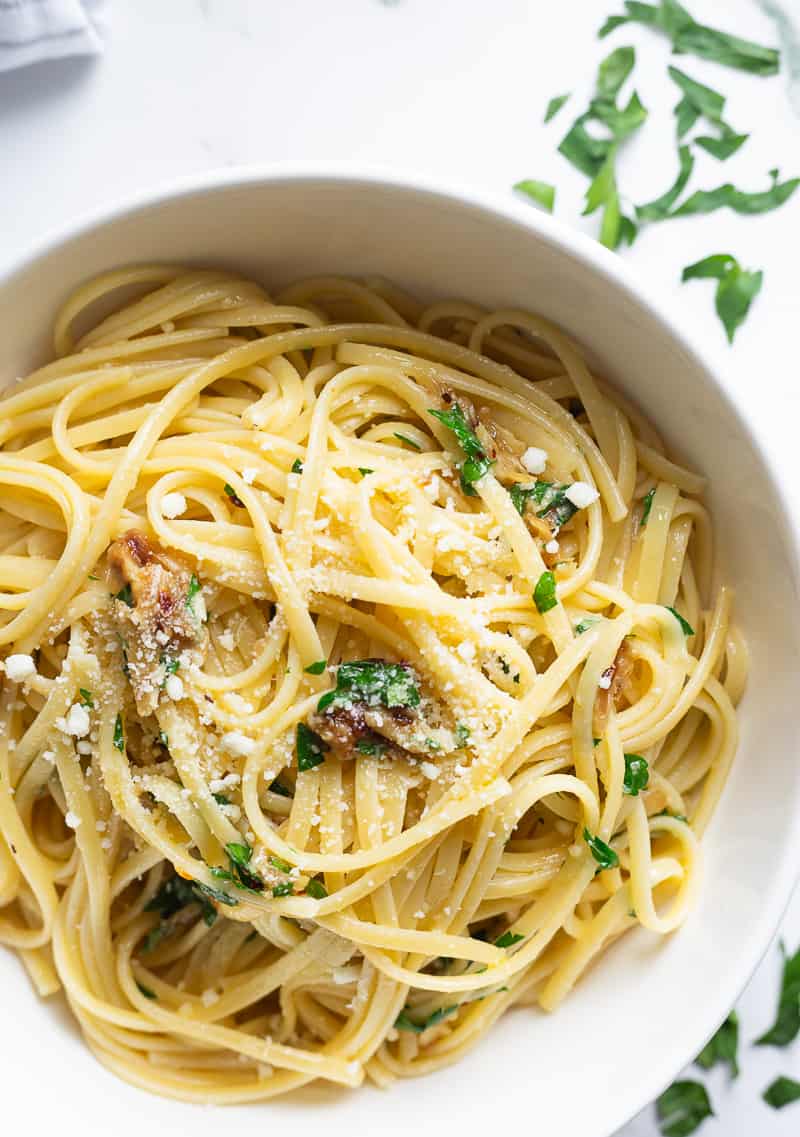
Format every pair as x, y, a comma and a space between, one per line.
219, 509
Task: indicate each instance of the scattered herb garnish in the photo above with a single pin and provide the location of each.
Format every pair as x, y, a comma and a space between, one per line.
690, 38
125, 594
277, 787
408, 441
722, 1047
508, 939
316, 889
462, 734
659, 209
297, 466
586, 623
372, 746
192, 591
216, 893
543, 193
171, 665
232, 494
119, 734
637, 774
316, 668
783, 1091
727, 196
786, 1027
242, 876
285, 888
310, 748
163, 739
148, 994
647, 505
364, 470
602, 853
405, 1022
280, 865
176, 893
736, 288
682, 1108
477, 462
556, 508
86, 697
374, 682
221, 799
544, 594
686, 627
554, 106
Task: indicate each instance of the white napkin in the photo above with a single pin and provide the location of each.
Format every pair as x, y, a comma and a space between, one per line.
32, 30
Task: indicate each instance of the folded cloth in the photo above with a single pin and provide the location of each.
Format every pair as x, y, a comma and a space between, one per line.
32, 30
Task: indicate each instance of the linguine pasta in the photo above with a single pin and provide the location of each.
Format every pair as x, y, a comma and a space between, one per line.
363, 677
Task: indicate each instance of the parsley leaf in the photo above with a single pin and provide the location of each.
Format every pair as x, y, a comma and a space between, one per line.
216, 893
297, 466
374, 682
727, 196
682, 1108
405, 1022
125, 594
584, 625
722, 1047
783, 1091
176, 893
408, 441
544, 594
659, 209
647, 505
602, 853
193, 590
277, 787
554, 106
726, 144
310, 748
686, 627
637, 774
241, 874
556, 508
221, 799
508, 939
316, 668
86, 697
690, 38
477, 463
119, 734
786, 1027
543, 193
148, 994
232, 494
736, 290
372, 746
614, 70
364, 470
316, 889
279, 864
285, 888
614, 228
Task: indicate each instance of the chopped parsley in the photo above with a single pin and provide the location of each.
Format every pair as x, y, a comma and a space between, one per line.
374, 682
736, 287
686, 627
163, 739
647, 505
297, 466
119, 734
586, 623
544, 594
722, 1047
125, 594
171, 665
688, 37
232, 494
659, 209
604, 855
554, 106
316, 889
277, 787
682, 1108
316, 668
86, 697
476, 462
364, 470
783, 1091
508, 939
408, 441
372, 746
786, 1027
221, 799
176, 893
192, 592
543, 193
310, 748
405, 1022
462, 734
216, 893
240, 874
148, 994
284, 888
280, 865
555, 507
637, 774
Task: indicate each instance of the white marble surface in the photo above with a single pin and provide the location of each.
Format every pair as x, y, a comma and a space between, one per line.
455, 88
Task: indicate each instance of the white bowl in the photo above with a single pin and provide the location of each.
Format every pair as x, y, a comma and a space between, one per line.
650, 1004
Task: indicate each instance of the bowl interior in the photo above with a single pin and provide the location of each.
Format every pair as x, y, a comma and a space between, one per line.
648, 1005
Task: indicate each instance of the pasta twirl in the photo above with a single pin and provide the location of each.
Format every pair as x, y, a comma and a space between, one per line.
363, 677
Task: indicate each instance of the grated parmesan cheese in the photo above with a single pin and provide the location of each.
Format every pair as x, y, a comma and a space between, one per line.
581, 494
20, 667
534, 460
173, 505
237, 743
